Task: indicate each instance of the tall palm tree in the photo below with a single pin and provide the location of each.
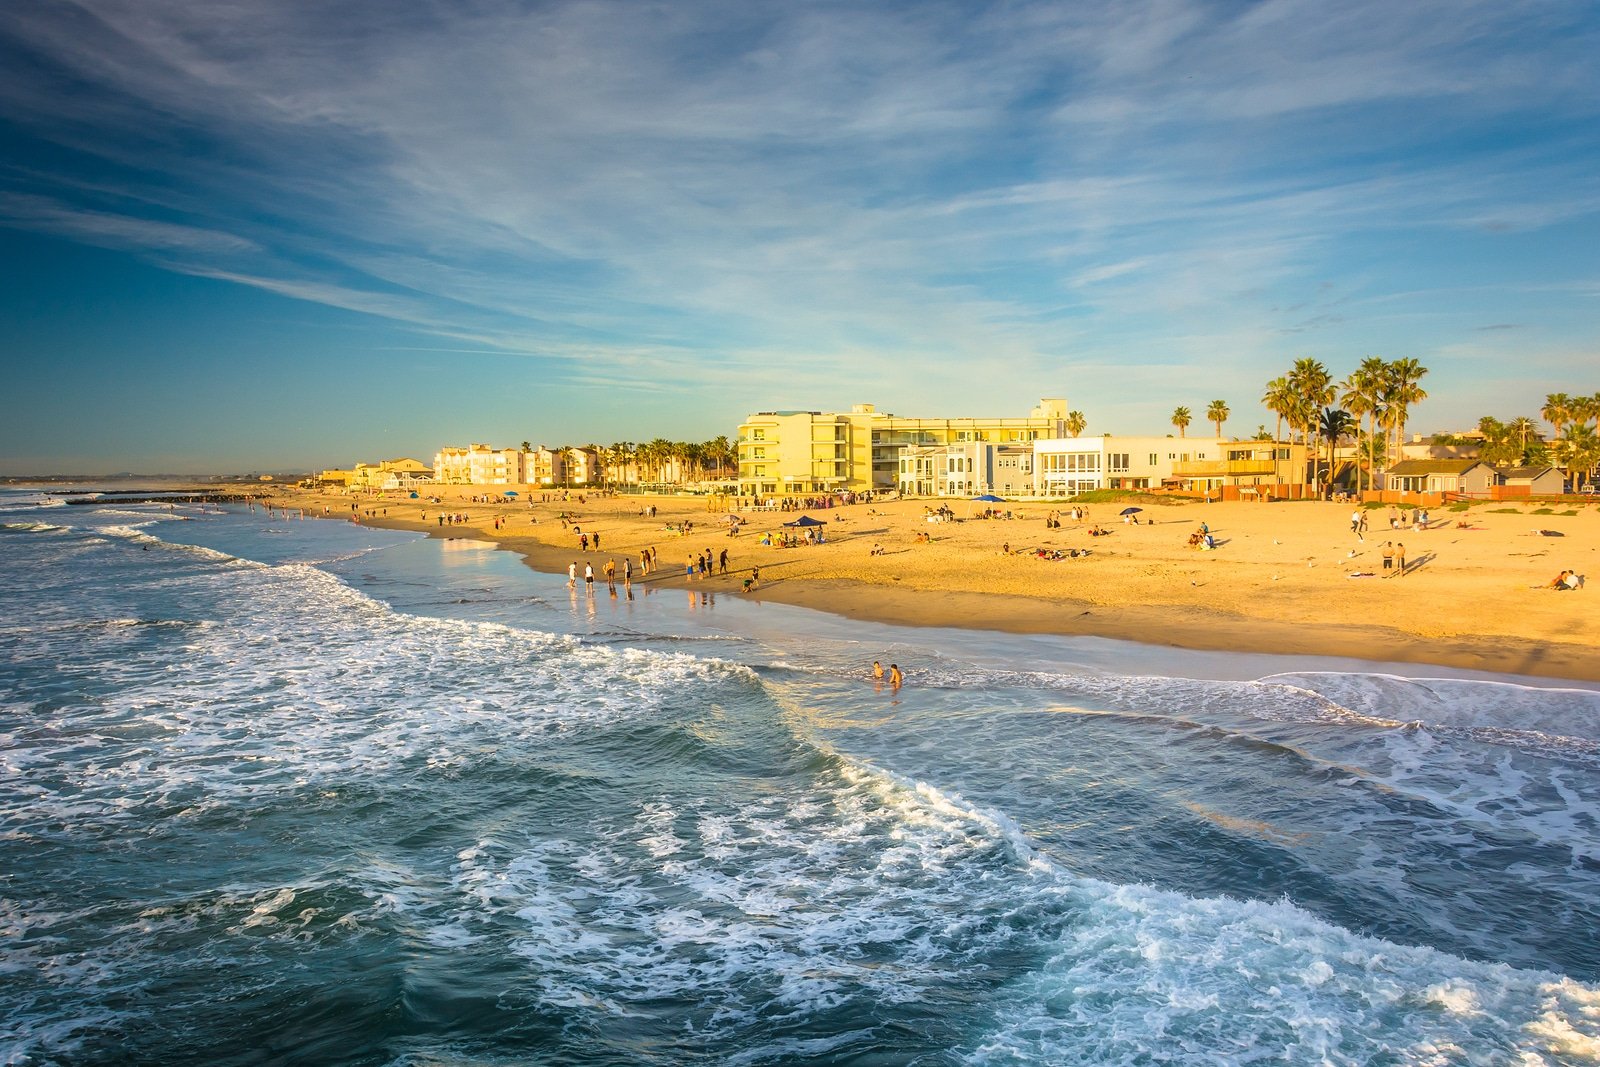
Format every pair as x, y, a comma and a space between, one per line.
1260, 433
622, 455
1557, 410
1363, 397
1277, 400
1180, 419
1218, 413
1402, 390
1579, 450
1586, 409
1312, 388
1076, 423
1333, 424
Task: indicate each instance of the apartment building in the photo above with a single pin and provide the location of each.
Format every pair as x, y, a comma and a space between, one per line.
479, 465
802, 452
967, 468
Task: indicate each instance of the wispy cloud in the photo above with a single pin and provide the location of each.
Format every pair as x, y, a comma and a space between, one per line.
822, 196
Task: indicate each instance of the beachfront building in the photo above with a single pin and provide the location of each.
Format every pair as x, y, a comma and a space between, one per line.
401, 473
967, 468
1466, 476
1530, 481
1071, 465
1248, 466
335, 476
785, 453
479, 465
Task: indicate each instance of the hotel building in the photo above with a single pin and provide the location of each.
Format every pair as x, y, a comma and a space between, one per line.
479, 465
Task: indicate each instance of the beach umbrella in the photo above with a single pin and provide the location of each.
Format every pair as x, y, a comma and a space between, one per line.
806, 520
1131, 511
990, 498
413, 496
512, 492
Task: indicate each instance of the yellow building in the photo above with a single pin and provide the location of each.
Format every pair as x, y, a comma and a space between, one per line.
389, 474
801, 452
479, 465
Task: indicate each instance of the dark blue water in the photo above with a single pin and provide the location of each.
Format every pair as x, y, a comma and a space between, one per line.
303, 792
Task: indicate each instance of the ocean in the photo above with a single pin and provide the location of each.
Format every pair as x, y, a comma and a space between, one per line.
298, 791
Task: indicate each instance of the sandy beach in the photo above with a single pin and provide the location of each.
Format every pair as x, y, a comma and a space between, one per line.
1284, 577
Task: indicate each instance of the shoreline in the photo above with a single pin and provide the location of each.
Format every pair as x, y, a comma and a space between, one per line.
1483, 614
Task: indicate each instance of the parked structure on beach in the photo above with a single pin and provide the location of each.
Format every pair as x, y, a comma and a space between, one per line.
803, 452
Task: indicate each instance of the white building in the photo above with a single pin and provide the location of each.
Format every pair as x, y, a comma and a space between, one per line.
1068, 466
965, 469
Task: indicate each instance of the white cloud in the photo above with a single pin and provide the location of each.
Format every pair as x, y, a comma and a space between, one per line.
620, 190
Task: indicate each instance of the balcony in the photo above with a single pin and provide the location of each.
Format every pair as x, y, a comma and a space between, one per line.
1222, 468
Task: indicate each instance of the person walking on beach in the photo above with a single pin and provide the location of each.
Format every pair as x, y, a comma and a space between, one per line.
596, 542
611, 573
588, 577
572, 574
1388, 557
627, 570
722, 562
1400, 559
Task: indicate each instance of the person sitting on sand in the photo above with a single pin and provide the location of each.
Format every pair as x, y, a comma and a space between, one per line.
1563, 581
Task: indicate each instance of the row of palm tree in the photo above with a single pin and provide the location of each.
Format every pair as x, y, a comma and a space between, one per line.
661, 460
1577, 443
1217, 413
1379, 390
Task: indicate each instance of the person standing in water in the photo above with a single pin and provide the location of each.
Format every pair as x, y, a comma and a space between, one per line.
895, 677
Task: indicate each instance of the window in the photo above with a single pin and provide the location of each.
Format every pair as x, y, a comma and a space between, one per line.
1154, 459
1119, 461
758, 435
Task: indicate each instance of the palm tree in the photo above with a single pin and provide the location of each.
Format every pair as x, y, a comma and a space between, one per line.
622, 455
1180, 419
1557, 410
1586, 409
1277, 400
1524, 428
1312, 388
1499, 446
657, 451
1579, 449
1363, 397
1260, 433
1218, 413
1075, 423
1400, 392
1333, 424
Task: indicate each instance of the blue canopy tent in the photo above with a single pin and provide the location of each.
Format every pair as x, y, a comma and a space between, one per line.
990, 498
806, 520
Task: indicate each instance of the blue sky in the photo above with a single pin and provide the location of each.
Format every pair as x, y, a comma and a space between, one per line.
274, 234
